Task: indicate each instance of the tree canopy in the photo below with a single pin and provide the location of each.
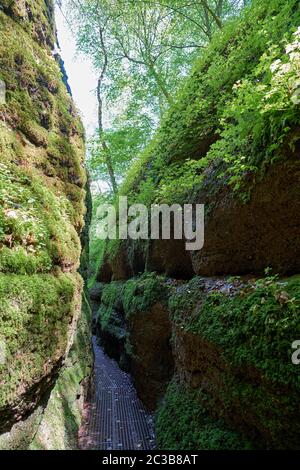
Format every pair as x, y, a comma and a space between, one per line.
141, 51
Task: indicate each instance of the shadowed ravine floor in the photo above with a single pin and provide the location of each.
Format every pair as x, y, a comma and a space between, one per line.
115, 419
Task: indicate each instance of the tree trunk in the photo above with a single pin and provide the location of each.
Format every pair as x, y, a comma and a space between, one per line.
108, 159
212, 13
161, 84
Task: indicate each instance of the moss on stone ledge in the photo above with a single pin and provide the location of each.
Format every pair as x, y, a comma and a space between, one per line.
255, 324
142, 292
183, 423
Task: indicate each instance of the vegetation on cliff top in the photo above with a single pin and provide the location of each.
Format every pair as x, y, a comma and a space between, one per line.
42, 179
255, 324
242, 92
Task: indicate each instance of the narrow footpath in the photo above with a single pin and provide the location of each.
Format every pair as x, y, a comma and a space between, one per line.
115, 419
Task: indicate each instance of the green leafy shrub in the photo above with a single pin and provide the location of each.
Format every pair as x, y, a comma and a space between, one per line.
262, 113
238, 107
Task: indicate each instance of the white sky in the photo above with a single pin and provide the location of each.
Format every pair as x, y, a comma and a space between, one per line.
82, 79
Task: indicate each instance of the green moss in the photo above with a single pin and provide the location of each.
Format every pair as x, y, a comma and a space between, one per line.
183, 423
36, 212
121, 300
38, 105
256, 325
61, 419
35, 314
143, 292
108, 314
35, 230
42, 180
35, 16
22, 433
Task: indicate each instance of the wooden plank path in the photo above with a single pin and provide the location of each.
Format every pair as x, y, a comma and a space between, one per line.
115, 419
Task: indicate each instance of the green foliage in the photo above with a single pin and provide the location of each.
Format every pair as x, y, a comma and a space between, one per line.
234, 96
256, 325
111, 305
141, 52
262, 113
143, 292
112, 295
183, 423
125, 138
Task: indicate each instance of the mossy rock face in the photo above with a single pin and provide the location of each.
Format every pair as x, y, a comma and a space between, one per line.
246, 236
133, 325
110, 322
233, 340
182, 422
36, 233
55, 423
35, 16
61, 419
42, 214
37, 316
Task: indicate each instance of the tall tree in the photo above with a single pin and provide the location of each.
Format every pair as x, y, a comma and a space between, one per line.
141, 50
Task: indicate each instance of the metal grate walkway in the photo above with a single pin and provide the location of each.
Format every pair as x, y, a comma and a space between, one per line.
115, 419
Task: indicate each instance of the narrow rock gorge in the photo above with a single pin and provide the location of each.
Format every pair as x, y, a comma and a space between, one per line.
193, 349
207, 335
